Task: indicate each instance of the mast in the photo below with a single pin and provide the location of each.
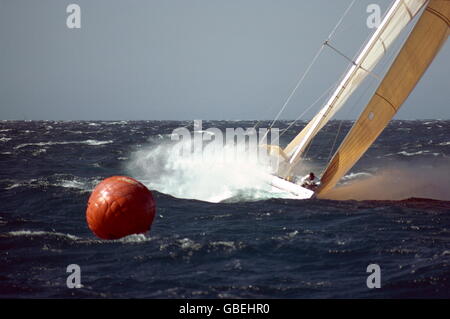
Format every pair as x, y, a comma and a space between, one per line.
398, 16
419, 50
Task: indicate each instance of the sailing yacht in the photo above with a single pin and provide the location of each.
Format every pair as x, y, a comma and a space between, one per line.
417, 53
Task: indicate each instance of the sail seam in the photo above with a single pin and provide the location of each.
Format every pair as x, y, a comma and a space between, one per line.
439, 15
407, 10
389, 102
383, 44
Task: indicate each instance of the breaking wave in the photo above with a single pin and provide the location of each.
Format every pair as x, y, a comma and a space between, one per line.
135, 238
57, 180
34, 233
87, 142
211, 175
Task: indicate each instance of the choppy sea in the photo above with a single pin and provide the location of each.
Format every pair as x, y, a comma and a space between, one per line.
217, 233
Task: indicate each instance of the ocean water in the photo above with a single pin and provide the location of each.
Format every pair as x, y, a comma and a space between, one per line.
218, 232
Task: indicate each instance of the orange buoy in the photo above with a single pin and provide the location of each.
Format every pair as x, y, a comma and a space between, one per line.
120, 206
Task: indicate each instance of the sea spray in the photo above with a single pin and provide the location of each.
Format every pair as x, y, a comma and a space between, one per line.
397, 181
209, 167
208, 176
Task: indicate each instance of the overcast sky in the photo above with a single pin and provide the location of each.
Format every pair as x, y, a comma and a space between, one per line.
188, 59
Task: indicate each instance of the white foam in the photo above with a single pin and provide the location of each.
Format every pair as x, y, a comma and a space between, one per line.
87, 142
74, 184
39, 151
418, 153
115, 123
33, 233
135, 238
226, 245
411, 154
5, 139
81, 183
204, 175
189, 244
95, 142
19, 184
352, 176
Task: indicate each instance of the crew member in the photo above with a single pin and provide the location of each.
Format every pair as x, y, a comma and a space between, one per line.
309, 181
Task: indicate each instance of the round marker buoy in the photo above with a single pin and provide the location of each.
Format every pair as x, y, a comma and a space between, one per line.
120, 206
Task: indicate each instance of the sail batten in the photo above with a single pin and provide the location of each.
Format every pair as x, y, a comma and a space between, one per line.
419, 50
393, 23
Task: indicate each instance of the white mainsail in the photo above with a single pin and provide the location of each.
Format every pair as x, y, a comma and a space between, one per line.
398, 16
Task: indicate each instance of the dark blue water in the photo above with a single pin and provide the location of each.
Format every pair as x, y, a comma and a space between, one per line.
266, 248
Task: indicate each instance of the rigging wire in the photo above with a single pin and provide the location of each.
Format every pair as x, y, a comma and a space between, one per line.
299, 82
327, 43
302, 78
327, 91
